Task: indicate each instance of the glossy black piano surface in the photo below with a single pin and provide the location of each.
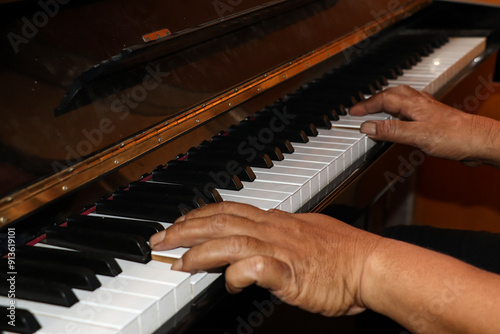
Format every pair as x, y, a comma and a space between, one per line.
89, 107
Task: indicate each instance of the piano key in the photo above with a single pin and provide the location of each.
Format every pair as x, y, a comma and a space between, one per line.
179, 280
51, 325
295, 124
235, 143
73, 276
83, 313
282, 144
102, 264
35, 289
285, 133
243, 172
146, 210
162, 293
25, 322
118, 245
207, 194
259, 203
248, 155
199, 179
143, 307
293, 191
197, 281
302, 106
143, 228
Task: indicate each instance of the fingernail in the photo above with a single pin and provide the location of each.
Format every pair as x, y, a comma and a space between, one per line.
180, 219
370, 128
177, 265
156, 239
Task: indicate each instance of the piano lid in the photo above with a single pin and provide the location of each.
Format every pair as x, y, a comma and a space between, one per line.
83, 93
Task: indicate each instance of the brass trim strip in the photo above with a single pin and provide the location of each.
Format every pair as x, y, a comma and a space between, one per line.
35, 196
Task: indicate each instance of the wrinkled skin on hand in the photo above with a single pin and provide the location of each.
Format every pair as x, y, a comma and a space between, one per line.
435, 128
308, 260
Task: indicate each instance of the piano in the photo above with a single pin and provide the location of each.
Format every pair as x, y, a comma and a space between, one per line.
118, 117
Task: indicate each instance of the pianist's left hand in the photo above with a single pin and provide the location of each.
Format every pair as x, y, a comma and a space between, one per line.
309, 260
325, 266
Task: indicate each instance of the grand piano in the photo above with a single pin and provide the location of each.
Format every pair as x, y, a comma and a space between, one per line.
118, 117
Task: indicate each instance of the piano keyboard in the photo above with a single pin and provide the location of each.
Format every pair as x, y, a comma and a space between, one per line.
141, 294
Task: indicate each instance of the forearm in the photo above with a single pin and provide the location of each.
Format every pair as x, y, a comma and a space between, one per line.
428, 292
486, 142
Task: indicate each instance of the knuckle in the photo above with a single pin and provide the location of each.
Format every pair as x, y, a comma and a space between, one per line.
219, 222
237, 244
259, 263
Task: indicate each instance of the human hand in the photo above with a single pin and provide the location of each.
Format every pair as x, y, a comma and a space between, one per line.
435, 128
308, 260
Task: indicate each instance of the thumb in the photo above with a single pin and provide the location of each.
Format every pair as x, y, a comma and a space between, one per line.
391, 130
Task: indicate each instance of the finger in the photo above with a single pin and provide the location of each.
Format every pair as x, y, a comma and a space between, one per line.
198, 230
409, 133
236, 209
220, 252
266, 272
391, 100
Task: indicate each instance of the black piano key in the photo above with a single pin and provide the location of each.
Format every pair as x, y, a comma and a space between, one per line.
293, 135
102, 264
311, 107
230, 143
399, 61
296, 124
164, 198
142, 210
160, 200
379, 65
336, 84
243, 172
207, 194
143, 228
328, 96
38, 290
118, 245
367, 69
377, 82
23, 321
247, 154
221, 179
282, 144
71, 275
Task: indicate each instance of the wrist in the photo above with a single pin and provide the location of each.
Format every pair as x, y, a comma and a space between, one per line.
485, 140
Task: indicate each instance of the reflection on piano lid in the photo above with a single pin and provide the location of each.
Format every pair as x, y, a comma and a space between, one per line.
167, 95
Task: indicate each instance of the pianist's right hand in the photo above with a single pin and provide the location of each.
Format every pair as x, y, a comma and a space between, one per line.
431, 126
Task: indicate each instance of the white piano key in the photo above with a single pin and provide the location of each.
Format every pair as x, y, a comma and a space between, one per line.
302, 182
179, 280
293, 191
260, 203
197, 282
144, 307
84, 313
163, 294
320, 168
52, 325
